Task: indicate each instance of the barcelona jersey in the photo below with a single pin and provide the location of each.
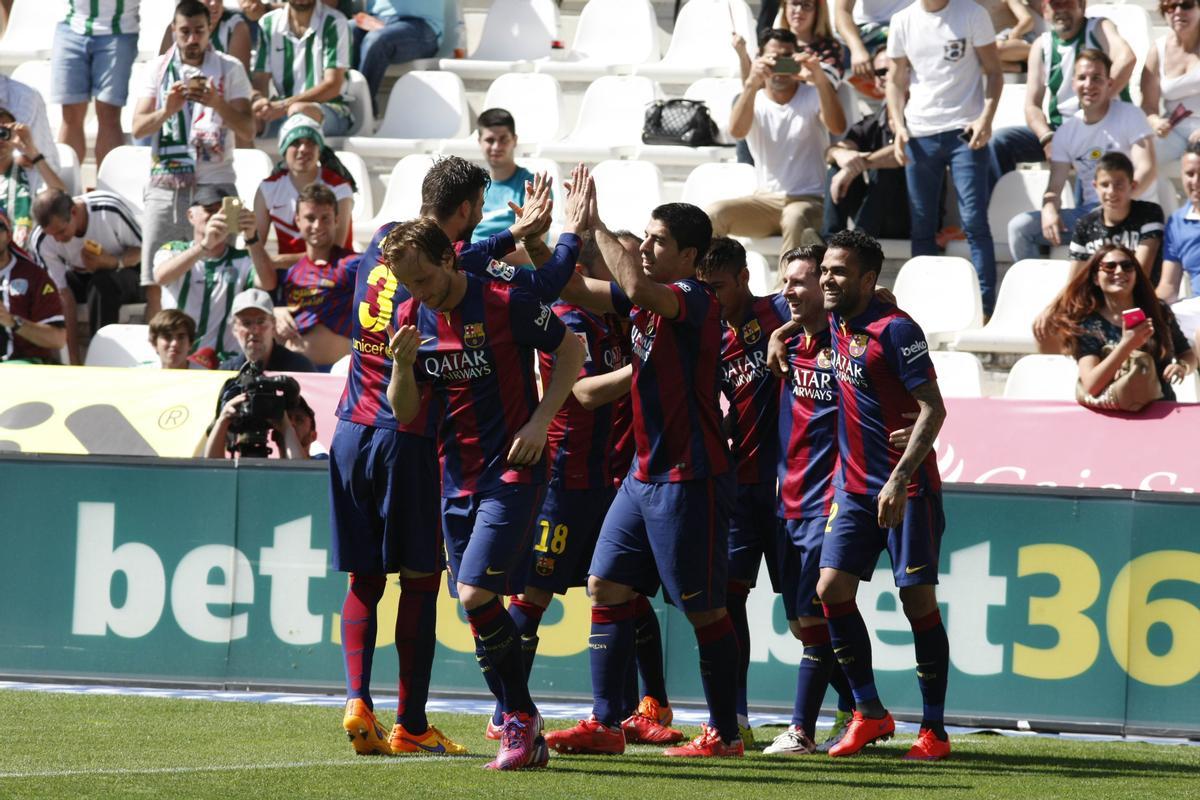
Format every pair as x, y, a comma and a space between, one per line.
322, 293
807, 428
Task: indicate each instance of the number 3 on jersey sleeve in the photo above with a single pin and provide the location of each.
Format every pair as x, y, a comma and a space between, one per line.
375, 311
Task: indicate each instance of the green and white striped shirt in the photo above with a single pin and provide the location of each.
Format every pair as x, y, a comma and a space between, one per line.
297, 64
206, 291
103, 17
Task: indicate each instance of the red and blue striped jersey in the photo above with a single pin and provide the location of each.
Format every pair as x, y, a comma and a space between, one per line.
322, 293
751, 389
479, 360
578, 440
807, 428
879, 357
621, 444
676, 379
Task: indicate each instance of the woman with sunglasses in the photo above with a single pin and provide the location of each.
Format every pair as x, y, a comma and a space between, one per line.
1089, 315
1171, 80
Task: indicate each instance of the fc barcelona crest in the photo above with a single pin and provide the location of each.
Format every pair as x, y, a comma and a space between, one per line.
751, 332
544, 566
825, 358
858, 344
473, 334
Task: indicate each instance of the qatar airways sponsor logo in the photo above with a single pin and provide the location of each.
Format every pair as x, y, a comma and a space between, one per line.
812, 384
745, 369
613, 357
643, 342
463, 365
848, 370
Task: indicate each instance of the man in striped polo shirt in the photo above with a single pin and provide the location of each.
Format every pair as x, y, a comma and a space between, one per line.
201, 277
303, 55
94, 50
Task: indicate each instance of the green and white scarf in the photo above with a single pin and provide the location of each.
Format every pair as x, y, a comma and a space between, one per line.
173, 162
17, 197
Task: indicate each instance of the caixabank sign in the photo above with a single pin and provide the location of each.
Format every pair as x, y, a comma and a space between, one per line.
1064, 609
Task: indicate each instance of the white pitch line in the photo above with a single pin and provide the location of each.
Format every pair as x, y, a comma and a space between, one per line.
69, 773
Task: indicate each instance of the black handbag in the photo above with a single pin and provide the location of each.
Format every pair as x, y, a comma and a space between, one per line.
679, 122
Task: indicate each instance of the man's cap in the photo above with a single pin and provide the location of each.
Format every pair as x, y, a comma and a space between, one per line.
300, 126
208, 194
253, 298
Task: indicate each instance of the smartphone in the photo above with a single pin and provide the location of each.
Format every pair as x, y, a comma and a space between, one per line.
1133, 317
231, 207
197, 84
965, 136
92, 246
786, 66
1179, 115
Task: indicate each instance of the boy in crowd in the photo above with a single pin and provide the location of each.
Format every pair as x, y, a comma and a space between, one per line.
1136, 224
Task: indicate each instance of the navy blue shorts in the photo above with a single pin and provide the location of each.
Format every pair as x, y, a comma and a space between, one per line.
798, 551
671, 534
753, 530
564, 537
854, 540
489, 535
383, 501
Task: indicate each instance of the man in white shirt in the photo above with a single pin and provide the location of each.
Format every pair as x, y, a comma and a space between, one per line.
785, 113
193, 102
941, 112
28, 108
1101, 124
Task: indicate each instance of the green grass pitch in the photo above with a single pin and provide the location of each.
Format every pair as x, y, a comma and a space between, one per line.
77, 746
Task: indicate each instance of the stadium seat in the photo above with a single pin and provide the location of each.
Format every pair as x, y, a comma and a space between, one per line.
708, 183
626, 192
154, 17
515, 33
341, 366
1042, 377
68, 168
251, 167
364, 195
1015, 193
852, 108
125, 170
1028, 287
402, 200
29, 34
360, 104
610, 120
422, 106
958, 374
718, 94
700, 44
121, 346
1011, 110
611, 36
1136, 28
536, 103
942, 294
551, 168
764, 278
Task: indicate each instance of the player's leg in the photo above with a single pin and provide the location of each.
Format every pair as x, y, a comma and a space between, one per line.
649, 719
915, 548
752, 527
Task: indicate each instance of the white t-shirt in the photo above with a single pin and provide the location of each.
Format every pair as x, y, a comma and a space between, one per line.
211, 138
946, 86
877, 11
788, 143
112, 224
1081, 145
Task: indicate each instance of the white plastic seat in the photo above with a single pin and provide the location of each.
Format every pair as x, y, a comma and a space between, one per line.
852, 108
422, 106
958, 374
708, 183
359, 95
1042, 377
764, 278
1011, 110
536, 103
626, 192
121, 346
719, 95
1015, 193
700, 45
402, 200
1028, 287
942, 294
252, 167
341, 366
363, 210
29, 34
611, 36
515, 34
68, 168
610, 120
125, 170
557, 176
153, 19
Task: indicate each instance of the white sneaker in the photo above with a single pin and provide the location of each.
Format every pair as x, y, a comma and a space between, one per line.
792, 742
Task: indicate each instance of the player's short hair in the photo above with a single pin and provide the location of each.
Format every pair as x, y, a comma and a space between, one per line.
422, 234
318, 194
449, 183
813, 253
191, 8
51, 204
626, 235
781, 35
589, 250
1095, 56
688, 224
497, 118
1113, 161
1193, 148
868, 255
724, 255
170, 320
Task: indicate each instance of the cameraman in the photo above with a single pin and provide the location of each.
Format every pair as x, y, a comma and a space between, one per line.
282, 432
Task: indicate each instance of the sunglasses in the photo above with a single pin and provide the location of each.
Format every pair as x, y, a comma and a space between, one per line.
1186, 5
881, 72
1113, 266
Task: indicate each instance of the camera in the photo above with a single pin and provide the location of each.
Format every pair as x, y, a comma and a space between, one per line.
5, 133
267, 400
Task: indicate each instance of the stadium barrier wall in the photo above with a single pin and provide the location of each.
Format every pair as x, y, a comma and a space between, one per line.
1068, 609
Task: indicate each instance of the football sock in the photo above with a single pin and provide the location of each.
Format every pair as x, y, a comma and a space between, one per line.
610, 649
359, 622
812, 677
416, 640
933, 662
494, 629
632, 698
492, 678
837, 680
735, 604
719, 656
527, 617
852, 648
649, 651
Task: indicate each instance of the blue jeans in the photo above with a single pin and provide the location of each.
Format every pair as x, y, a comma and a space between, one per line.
1009, 147
1025, 238
401, 39
928, 157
